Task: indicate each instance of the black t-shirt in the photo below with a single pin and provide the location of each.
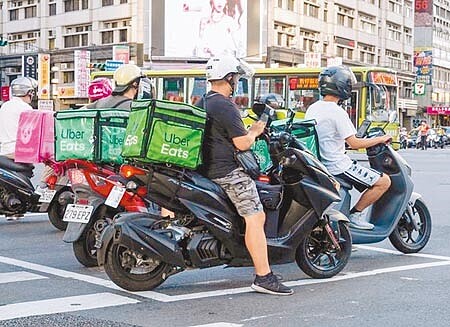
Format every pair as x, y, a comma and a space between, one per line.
223, 124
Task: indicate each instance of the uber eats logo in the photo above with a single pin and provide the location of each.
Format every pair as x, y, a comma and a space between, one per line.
72, 140
173, 145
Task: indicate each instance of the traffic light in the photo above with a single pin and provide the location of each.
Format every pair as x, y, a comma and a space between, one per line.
98, 66
3, 43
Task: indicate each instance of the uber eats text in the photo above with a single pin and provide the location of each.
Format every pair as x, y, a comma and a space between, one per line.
174, 149
72, 140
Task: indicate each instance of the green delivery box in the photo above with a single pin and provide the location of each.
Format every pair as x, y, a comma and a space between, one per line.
93, 134
165, 132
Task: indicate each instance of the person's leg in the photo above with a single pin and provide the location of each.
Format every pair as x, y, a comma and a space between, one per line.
255, 241
371, 195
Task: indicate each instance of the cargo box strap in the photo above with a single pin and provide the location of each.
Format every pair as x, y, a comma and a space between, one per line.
179, 120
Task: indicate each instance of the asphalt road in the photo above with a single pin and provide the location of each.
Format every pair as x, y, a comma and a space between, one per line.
42, 284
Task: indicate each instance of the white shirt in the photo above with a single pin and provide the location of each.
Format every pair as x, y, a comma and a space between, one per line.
333, 127
9, 123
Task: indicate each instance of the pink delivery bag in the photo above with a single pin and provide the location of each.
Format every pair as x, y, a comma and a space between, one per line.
35, 137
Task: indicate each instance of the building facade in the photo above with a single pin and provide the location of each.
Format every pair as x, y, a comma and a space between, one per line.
277, 32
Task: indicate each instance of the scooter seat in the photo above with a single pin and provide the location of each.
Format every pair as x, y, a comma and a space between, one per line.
344, 183
10, 164
207, 184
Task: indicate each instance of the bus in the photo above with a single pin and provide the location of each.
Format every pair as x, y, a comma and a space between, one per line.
374, 97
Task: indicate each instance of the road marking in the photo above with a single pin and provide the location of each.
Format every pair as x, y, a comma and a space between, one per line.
64, 304
18, 276
445, 261
419, 255
219, 324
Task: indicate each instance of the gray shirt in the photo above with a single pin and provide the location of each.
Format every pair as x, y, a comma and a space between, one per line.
113, 101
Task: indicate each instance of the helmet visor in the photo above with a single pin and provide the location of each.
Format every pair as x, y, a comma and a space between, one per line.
245, 70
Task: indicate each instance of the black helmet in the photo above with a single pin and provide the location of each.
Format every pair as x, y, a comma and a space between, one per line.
337, 81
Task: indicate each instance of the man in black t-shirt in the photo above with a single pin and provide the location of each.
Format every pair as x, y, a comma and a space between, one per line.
225, 133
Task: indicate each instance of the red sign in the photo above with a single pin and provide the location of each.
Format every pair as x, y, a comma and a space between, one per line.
438, 110
4, 93
424, 6
383, 78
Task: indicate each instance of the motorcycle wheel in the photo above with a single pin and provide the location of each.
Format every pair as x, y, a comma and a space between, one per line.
133, 271
318, 257
57, 209
84, 248
405, 238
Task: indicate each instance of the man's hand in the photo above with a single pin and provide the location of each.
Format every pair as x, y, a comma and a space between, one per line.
257, 128
385, 139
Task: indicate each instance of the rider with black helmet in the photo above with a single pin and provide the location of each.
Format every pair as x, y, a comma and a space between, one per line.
334, 129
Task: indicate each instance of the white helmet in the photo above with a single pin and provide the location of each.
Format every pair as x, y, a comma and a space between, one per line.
125, 75
219, 67
23, 86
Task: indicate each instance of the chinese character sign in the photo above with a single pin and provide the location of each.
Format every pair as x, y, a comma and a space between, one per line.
82, 60
44, 76
29, 66
423, 65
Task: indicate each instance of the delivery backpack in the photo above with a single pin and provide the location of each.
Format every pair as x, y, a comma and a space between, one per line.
165, 132
93, 134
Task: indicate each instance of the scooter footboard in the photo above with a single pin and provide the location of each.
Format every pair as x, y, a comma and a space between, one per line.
134, 231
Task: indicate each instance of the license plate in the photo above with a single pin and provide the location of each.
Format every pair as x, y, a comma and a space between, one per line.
78, 213
47, 196
115, 196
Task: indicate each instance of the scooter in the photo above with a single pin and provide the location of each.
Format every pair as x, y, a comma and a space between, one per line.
99, 195
18, 196
140, 251
400, 214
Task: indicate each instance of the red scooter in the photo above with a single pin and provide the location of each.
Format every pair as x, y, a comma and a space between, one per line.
100, 194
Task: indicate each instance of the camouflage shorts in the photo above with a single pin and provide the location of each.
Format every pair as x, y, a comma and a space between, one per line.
241, 190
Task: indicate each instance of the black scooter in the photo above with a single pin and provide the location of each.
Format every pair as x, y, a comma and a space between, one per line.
17, 193
140, 251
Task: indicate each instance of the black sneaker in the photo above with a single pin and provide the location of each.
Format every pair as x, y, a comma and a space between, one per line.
270, 284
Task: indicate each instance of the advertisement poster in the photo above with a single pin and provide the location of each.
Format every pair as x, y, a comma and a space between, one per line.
423, 13
82, 60
205, 28
121, 53
423, 65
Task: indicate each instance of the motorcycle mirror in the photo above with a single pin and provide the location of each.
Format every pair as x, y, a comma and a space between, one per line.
392, 116
258, 108
243, 113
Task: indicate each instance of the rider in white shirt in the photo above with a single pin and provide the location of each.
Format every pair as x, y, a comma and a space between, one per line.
23, 91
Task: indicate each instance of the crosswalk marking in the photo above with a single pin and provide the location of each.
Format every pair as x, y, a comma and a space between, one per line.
64, 304
19, 276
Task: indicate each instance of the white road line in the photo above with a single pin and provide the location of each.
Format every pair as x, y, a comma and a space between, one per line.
18, 276
219, 324
64, 304
419, 255
84, 278
173, 298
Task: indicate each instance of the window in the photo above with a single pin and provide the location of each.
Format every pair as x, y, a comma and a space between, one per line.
68, 77
123, 35
107, 3
407, 32
52, 9
71, 5
77, 36
367, 23
311, 9
30, 12
345, 17
395, 6
393, 31
366, 53
107, 37
14, 14
285, 36
393, 59
123, 1
308, 40
84, 4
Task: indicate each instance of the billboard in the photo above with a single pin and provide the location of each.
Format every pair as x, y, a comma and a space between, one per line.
205, 28
423, 13
423, 65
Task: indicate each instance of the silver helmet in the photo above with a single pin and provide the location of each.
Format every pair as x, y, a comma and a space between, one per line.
23, 86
